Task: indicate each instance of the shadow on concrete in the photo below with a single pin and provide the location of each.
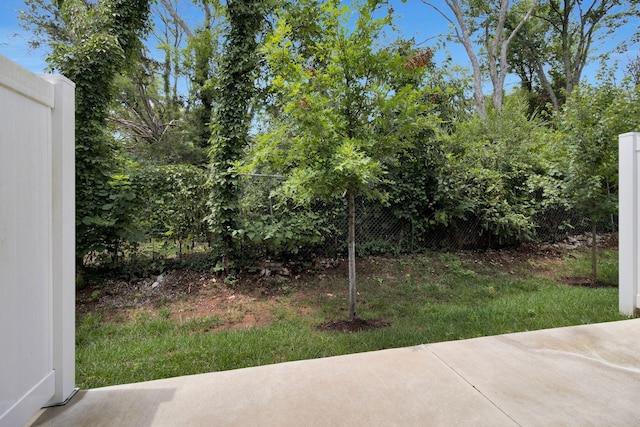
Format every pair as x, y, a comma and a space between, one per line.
111, 407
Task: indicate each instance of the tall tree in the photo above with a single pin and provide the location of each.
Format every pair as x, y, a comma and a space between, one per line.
184, 98
91, 42
143, 114
203, 57
343, 111
200, 60
486, 20
559, 41
231, 116
171, 31
150, 125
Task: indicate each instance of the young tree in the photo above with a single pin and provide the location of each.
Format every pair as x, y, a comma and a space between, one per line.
592, 119
342, 114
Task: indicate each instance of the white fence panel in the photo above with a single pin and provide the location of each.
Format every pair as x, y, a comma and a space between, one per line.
36, 252
629, 208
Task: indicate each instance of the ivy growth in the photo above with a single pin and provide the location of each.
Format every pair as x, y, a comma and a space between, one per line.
97, 40
231, 118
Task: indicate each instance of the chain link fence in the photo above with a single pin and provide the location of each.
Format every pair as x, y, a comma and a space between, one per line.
323, 228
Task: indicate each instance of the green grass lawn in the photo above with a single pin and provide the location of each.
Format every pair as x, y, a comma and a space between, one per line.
425, 298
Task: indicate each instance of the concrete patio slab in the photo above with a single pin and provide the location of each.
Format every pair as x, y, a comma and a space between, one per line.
583, 375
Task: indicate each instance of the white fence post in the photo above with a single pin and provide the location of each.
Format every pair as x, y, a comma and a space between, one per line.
628, 151
63, 236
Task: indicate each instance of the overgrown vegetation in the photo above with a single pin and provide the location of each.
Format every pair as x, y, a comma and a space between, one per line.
346, 107
91, 44
338, 90
232, 119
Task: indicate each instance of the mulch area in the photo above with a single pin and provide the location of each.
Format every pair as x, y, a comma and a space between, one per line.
349, 326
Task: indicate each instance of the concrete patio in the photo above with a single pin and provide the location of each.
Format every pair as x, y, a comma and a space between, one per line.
575, 376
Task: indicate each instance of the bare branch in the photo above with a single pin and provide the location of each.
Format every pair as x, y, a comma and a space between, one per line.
176, 16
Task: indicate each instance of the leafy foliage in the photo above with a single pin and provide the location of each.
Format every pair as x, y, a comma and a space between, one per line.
91, 43
272, 226
499, 171
340, 117
594, 116
149, 202
553, 48
231, 117
172, 202
201, 59
350, 118
152, 127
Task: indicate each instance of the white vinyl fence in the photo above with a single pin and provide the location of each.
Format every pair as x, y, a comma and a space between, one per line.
37, 238
629, 231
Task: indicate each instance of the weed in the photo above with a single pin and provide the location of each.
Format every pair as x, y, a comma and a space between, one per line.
231, 280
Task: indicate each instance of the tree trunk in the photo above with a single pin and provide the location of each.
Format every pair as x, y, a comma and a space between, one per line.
496, 44
352, 254
594, 253
232, 117
544, 81
464, 36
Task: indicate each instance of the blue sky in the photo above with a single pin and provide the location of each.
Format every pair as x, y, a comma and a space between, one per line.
13, 43
415, 20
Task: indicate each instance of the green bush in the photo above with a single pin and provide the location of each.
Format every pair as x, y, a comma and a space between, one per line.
500, 171
272, 225
172, 202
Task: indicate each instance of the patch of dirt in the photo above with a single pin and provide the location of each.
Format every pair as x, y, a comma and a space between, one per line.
585, 282
542, 258
277, 290
185, 295
349, 326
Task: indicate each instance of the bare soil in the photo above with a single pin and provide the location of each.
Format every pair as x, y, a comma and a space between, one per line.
584, 282
185, 295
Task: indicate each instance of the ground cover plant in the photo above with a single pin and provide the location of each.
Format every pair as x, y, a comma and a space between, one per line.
190, 321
